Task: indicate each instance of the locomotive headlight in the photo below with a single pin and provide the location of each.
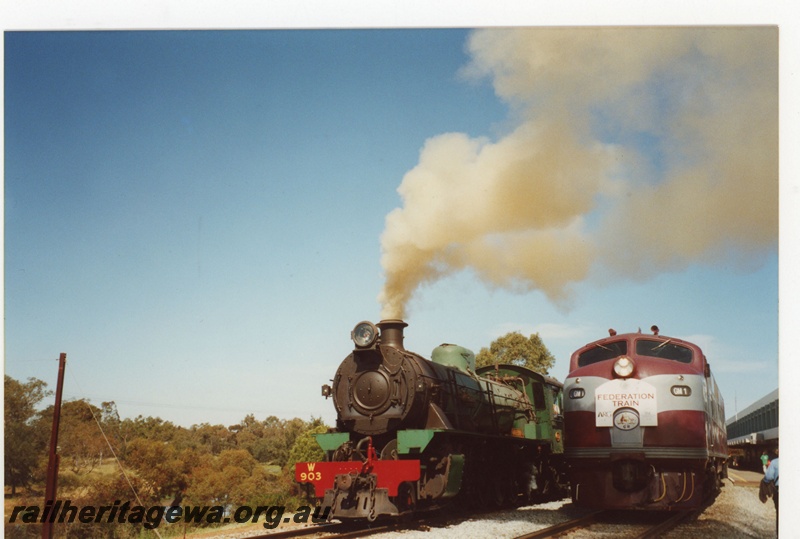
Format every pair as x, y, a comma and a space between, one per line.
623, 367
364, 334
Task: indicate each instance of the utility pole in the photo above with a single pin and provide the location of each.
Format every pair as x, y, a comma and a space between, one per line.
52, 464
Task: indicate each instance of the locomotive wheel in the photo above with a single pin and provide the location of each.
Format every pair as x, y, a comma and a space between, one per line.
714, 482
526, 493
485, 494
406, 497
474, 493
389, 451
509, 489
498, 494
473, 499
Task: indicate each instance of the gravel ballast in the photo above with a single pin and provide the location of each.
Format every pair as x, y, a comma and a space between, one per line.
737, 513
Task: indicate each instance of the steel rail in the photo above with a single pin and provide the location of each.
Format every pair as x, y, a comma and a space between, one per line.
660, 529
347, 529
564, 526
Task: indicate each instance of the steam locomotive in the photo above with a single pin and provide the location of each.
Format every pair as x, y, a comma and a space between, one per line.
645, 424
413, 433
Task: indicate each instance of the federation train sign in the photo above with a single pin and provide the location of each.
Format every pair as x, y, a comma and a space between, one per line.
630, 393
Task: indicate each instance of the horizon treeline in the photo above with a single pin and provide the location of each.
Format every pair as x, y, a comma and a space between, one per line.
249, 463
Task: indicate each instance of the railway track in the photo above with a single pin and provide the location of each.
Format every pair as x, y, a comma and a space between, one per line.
564, 527
625, 526
349, 530
611, 518
621, 524
563, 530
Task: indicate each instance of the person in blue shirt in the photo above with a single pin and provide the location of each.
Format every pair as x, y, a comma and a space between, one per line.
772, 476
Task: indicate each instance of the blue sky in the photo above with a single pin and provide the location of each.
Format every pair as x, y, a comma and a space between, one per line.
196, 218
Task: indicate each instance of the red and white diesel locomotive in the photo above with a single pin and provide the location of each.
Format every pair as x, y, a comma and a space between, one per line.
644, 424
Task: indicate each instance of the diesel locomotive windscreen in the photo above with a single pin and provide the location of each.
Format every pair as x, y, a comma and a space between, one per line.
603, 352
663, 350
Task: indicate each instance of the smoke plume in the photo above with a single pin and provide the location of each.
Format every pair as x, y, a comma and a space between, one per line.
634, 151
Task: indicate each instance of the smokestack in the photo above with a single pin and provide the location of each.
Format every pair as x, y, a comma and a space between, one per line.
392, 332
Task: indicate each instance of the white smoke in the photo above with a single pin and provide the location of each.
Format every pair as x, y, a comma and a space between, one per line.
636, 151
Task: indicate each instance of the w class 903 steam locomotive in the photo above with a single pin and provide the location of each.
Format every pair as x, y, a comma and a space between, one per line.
645, 424
413, 433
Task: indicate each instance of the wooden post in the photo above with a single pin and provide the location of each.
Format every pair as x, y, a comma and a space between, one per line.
52, 464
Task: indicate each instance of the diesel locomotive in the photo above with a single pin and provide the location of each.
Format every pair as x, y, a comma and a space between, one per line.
414, 434
645, 424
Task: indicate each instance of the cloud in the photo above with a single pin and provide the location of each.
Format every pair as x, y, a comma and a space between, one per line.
635, 151
725, 359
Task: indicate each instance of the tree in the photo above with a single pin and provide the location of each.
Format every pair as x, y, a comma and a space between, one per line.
25, 440
212, 438
119, 432
160, 466
269, 441
516, 349
152, 428
222, 480
249, 434
80, 441
306, 448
